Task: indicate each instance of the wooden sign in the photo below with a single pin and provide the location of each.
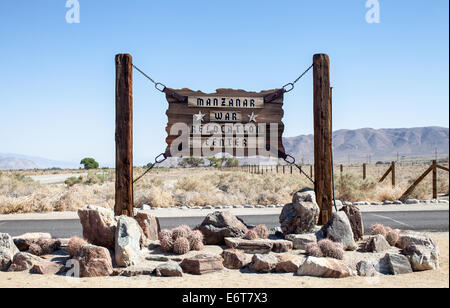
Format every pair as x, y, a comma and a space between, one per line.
229, 121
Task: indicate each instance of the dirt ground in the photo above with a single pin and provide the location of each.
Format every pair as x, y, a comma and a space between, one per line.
236, 279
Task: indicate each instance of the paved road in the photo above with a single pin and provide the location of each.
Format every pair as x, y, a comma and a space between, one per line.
46, 179
418, 220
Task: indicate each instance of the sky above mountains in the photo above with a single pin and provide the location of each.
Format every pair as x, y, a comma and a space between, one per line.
57, 85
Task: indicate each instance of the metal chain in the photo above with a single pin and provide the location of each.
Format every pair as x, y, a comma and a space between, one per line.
285, 158
158, 160
290, 86
158, 85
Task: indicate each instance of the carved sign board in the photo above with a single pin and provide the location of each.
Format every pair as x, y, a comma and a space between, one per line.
229, 121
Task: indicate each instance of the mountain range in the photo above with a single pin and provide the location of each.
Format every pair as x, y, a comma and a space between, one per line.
359, 145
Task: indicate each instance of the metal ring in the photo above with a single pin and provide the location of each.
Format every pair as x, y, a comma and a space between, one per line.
291, 85
159, 88
289, 156
158, 160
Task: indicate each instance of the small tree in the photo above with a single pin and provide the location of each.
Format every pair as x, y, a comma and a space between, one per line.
232, 162
191, 161
89, 163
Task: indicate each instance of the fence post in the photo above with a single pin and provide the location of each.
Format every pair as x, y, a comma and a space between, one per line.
364, 171
393, 174
434, 179
124, 136
291, 169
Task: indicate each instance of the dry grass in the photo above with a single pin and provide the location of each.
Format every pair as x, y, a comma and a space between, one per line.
205, 186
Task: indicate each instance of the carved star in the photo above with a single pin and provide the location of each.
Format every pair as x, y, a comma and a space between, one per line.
252, 117
199, 116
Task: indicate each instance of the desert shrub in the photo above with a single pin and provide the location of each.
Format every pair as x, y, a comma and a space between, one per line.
73, 181
331, 249
313, 250
74, 246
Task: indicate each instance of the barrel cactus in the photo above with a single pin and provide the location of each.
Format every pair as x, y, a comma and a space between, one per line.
196, 240
181, 246
313, 250
392, 237
74, 245
179, 232
378, 229
167, 243
331, 249
251, 235
164, 233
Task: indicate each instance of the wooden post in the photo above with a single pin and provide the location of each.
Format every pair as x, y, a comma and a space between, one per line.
322, 136
283, 169
364, 171
393, 174
342, 169
434, 179
291, 169
124, 135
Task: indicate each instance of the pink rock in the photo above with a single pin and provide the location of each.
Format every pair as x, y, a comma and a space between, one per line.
202, 264
149, 224
94, 261
235, 259
99, 225
47, 268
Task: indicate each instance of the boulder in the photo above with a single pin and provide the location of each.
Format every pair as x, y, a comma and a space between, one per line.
324, 267
24, 241
397, 264
99, 225
202, 264
376, 243
235, 259
261, 246
300, 241
95, 261
339, 230
24, 261
170, 269
7, 251
44, 246
408, 238
422, 258
134, 271
412, 201
302, 215
149, 224
218, 225
366, 269
280, 246
263, 263
127, 242
354, 215
288, 263
47, 268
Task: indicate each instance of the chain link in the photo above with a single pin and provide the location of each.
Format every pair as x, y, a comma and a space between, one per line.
290, 86
158, 160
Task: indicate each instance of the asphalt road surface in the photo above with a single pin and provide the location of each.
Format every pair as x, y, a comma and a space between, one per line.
432, 221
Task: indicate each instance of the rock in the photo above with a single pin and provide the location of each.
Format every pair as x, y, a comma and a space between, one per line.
146, 207
24, 241
218, 225
398, 264
7, 251
24, 261
398, 202
412, 201
302, 215
249, 246
263, 263
354, 215
348, 203
376, 243
300, 241
422, 258
170, 269
366, 269
443, 201
387, 202
408, 238
47, 268
235, 259
375, 203
202, 264
324, 267
339, 229
288, 263
99, 225
127, 242
95, 261
280, 246
338, 203
44, 246
149, 224
134, 271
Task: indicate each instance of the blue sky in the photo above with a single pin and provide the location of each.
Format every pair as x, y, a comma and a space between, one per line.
57, 80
